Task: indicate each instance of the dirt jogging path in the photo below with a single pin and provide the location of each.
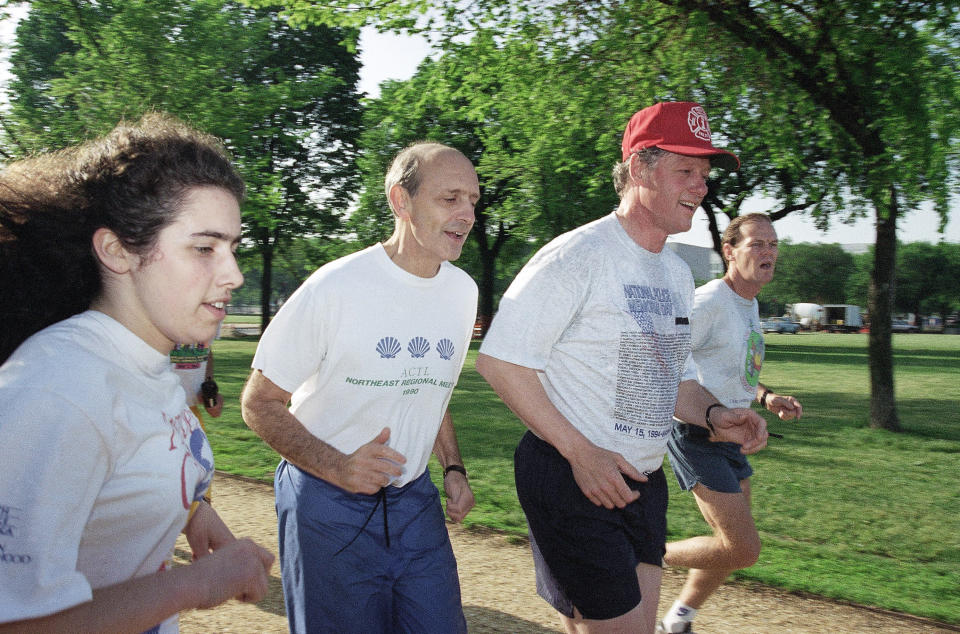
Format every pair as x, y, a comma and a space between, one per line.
499, 595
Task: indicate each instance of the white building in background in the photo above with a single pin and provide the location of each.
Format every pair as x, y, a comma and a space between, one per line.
703, 261
857, 248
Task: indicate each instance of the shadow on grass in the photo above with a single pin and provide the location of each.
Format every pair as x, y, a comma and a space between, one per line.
827, 414
843, 355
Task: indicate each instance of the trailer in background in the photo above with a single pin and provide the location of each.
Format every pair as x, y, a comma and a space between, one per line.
841, 318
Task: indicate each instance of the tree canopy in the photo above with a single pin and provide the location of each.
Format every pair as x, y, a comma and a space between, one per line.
838, 108
283, 99
856, 101
538, 166
806, 272
927, 279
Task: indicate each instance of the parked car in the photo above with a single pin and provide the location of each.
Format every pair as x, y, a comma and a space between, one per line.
902, 325
779, 324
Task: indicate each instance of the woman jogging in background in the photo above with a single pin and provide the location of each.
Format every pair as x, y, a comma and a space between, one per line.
111, 252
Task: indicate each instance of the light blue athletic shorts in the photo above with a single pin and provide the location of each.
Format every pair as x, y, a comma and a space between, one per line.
719, 466
339, 575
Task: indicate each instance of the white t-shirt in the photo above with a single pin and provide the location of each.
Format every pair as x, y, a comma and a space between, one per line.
606, 324
100, 461
727, 343
363, 345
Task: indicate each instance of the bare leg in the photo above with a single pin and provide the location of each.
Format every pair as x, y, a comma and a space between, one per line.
640, 620
734, 544
571, 625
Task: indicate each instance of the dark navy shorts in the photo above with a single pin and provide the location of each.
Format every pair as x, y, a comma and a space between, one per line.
719, 466
341, 575
586, 555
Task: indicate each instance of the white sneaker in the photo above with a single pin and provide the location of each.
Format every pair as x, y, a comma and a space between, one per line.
686, 629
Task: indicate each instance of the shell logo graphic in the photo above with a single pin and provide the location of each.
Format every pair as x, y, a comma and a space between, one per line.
388, 348
445, 349
418, 347
698, 122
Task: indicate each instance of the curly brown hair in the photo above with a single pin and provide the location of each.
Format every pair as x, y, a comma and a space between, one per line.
131, 181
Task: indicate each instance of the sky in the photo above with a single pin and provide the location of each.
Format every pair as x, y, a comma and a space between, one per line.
389, 56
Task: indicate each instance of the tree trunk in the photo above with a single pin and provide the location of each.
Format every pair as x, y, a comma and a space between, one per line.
266, 283
854, 109
488, 278
883, 404
716, 235
488, 265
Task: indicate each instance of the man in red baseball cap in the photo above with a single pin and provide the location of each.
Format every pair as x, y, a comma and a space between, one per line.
591, 348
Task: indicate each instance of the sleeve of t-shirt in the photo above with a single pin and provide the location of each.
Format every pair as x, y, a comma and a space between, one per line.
292, 347
53, 462
699, 329
537, 307
703, 318
710, 326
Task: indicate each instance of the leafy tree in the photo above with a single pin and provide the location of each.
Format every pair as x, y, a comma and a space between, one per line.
302, 88
537, 166
946, 300
892, 108
809, 273
927, 278
876, 84
284, 99
294, 264
858, 284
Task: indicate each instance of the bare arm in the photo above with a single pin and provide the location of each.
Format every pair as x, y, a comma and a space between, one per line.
367, 470
206, 532
459, 495
785, 407
740, 425
235, 569
596, 470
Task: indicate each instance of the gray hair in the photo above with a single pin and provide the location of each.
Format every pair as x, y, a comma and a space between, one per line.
621, 171
406, 169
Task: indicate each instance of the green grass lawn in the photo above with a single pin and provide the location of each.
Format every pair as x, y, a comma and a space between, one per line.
844, 511
242, 319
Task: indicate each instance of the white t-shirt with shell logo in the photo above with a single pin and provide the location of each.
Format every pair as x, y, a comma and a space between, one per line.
363, 345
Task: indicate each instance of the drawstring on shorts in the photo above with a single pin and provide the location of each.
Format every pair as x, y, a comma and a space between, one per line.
381, 497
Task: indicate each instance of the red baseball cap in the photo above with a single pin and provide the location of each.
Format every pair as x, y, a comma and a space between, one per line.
676, 126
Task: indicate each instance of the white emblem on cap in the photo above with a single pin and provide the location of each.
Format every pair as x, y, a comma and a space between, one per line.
697, 120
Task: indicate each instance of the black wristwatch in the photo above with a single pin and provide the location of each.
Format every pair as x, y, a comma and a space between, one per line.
459, 468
